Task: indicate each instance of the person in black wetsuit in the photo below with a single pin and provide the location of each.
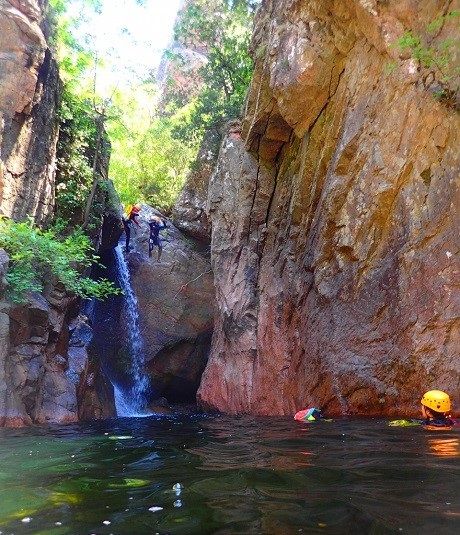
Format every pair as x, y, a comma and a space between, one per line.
156, 224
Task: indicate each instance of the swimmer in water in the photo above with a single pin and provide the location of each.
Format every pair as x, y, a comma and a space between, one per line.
435, 409
308, 415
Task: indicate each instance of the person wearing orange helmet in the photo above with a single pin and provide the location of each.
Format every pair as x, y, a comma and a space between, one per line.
131, 215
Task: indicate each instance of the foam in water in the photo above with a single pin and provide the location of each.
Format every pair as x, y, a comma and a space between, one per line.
131, 401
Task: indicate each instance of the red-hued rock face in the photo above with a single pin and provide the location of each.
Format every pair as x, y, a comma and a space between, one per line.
335, 243
29, 95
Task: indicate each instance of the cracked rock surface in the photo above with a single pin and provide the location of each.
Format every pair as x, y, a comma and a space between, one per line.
335, 220
29, 93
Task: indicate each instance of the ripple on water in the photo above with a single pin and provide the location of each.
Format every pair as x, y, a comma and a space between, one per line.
205, 475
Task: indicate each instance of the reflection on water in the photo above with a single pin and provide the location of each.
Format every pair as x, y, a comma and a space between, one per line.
444, 447
203, 475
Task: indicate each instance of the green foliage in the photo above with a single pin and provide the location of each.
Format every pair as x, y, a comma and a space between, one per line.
148, 163
428, 56
437, 56
80, 108
74, 155
36, 255
152, 149
222, 29
435, 25
75, 59
390, 67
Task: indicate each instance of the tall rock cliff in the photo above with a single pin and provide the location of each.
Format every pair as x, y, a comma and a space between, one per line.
189, 212
29, 91
335, 215
46, 374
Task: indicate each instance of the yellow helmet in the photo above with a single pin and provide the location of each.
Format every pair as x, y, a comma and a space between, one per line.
436, 400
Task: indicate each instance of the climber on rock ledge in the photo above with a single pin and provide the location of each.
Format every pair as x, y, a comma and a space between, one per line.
131, 214
156, 224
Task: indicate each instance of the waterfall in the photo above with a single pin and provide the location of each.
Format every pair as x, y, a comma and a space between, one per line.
131, 401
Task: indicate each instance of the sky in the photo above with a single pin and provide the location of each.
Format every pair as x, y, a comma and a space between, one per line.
130, 38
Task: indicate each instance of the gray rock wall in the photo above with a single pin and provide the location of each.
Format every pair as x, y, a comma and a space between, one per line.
176, 306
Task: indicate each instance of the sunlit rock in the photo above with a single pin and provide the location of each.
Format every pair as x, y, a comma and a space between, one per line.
332, 237
29, 94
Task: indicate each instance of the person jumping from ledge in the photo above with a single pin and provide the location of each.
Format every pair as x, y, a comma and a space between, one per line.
131, 214
156, 224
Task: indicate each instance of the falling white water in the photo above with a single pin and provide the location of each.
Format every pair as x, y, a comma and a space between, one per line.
131, 401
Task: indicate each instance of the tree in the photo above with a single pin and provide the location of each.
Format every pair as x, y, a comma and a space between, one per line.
147, 162
83, 113
221, 29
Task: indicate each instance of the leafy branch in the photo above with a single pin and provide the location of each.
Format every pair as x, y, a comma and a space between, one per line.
36, 255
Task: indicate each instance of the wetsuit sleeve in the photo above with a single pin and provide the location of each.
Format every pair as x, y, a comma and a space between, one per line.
135, 220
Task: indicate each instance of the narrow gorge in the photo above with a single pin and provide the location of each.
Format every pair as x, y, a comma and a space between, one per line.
314, 261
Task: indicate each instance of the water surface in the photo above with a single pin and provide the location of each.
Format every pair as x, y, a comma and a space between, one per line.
229, 476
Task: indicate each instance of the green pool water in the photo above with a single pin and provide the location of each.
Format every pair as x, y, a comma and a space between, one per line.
200, 475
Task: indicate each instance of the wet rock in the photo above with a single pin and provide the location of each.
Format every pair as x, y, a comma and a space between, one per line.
176, 306
335, 239
45, 373
95, 395
110, 212
112, 229
81, 332
176, 370
160, 406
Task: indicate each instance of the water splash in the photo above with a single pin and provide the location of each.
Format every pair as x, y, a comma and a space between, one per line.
131, 401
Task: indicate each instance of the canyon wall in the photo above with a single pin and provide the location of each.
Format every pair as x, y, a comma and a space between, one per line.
335, 216
29, 94
46, 372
